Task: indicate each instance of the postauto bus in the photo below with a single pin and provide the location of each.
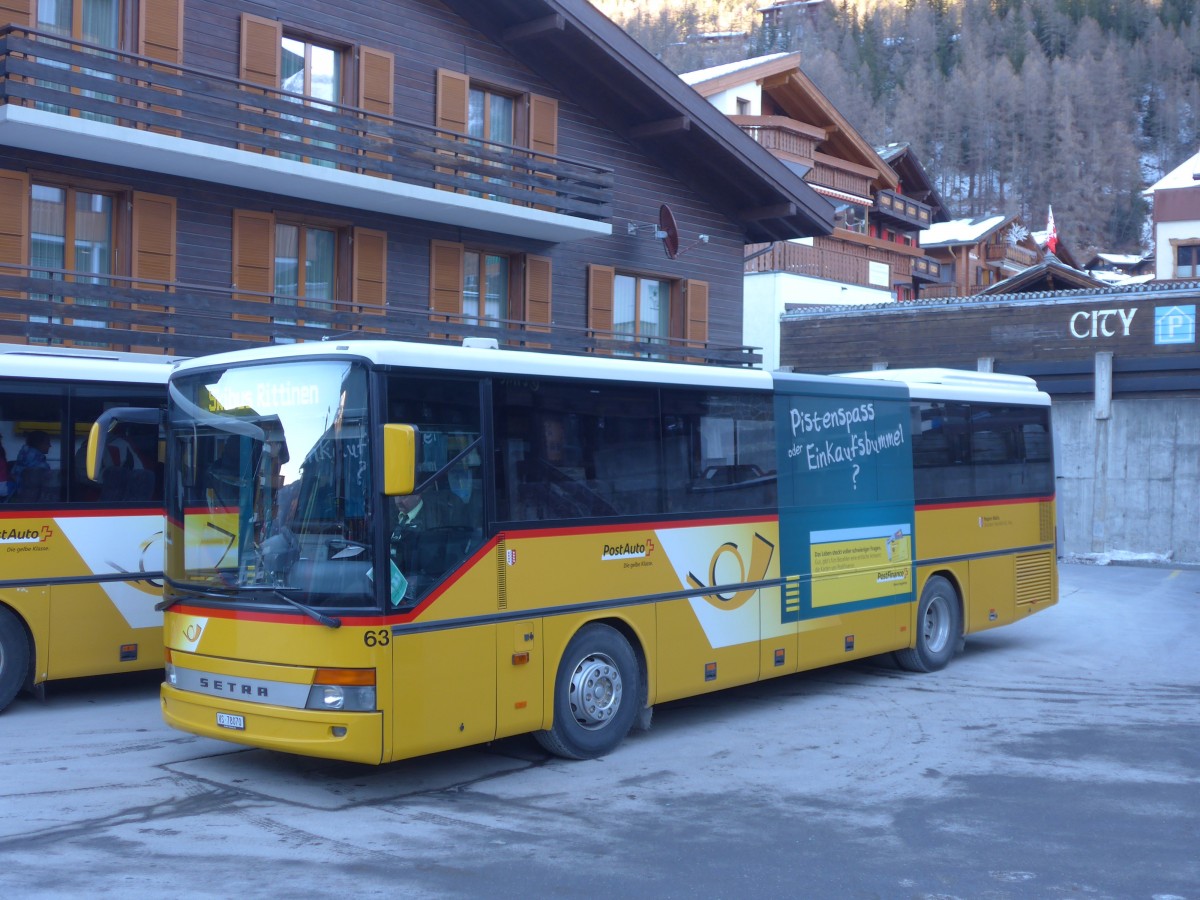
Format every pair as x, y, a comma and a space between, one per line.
381, 549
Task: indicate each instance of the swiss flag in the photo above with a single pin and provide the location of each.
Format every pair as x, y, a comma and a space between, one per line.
1051, 232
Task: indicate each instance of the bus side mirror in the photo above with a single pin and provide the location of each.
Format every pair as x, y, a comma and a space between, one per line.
401, 444
104, 429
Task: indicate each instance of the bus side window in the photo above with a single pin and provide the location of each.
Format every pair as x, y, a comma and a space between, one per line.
30, 431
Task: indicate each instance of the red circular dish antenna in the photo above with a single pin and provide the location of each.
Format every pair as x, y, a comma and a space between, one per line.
668, 231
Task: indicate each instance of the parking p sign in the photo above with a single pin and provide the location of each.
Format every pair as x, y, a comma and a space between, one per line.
1175, 324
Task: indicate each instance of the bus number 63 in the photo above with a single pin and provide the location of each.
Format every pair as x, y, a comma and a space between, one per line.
380, 638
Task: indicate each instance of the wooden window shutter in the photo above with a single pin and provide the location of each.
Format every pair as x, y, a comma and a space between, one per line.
375, 80
601, 287
376, 88
253, 263
543, 124
695, 322
445, 277
160, 36
452, 100
153, 239
369, 291
153, 257
539, 283
160, 30
262, 40
543, 131
16, 12
14, 237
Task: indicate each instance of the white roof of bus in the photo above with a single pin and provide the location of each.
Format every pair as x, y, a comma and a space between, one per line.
452, 358
71, 364
960, 384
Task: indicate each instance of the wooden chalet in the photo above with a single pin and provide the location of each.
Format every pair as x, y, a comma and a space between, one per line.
975, 254
874, 246
1176, 200
191, 178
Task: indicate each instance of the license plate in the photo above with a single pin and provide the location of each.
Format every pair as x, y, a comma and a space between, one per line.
225, 720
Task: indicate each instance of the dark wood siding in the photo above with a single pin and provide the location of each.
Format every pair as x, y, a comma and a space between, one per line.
422, 38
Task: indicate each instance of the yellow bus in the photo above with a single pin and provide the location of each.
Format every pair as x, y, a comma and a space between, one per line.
379, 549
80, 562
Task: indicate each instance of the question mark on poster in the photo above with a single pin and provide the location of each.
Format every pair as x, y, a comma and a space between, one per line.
856, 471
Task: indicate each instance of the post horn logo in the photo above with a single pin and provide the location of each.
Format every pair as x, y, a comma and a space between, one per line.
761, 554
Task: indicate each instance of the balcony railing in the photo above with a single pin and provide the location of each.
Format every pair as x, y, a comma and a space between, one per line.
926, 269
779, 135
829, 259
52, 306
903, 211
1018, 256
56, 74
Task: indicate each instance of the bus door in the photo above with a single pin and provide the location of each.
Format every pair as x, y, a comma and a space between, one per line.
444, 593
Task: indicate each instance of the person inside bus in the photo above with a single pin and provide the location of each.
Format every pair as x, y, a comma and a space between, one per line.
31, 470
4, 487
433, 530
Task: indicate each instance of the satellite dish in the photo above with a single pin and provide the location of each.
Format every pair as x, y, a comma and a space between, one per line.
668, 231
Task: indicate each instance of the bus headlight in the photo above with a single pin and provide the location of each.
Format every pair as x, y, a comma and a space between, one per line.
351, 690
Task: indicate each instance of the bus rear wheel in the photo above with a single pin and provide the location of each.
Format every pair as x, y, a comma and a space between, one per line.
939, 628
596, 695
14, 657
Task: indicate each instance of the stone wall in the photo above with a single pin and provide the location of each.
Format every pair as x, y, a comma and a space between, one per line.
1129, 483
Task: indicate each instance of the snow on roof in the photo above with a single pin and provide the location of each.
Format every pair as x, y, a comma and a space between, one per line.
1120, 259
1182, 176
960, 231
702, 75
775, 4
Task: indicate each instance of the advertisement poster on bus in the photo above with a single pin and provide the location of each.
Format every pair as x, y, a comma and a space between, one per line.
845, 498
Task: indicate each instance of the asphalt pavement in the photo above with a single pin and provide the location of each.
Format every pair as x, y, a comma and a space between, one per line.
1058, 757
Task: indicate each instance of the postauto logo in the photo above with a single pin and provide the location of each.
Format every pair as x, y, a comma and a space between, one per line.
26, 535
627, 549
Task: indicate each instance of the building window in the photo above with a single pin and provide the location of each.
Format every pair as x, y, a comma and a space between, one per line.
305, 269
94, 21
314, 71
851, 217
490, 116
1187, 261
743, 106
641, 307
72, 230
485, 287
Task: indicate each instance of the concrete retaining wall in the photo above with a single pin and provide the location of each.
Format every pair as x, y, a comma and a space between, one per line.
1129, 483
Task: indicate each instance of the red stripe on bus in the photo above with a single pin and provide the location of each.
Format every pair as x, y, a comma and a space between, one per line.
965, 504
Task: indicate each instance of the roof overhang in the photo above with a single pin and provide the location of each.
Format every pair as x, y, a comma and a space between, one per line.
589, 58
117, 145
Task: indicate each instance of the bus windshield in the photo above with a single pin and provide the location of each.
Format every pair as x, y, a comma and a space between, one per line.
274, 485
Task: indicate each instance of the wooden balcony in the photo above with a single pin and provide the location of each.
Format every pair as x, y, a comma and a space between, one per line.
1016, 256
939, 291
832, 260
925, 268
44, 306
784, 137
901, 211
60, 80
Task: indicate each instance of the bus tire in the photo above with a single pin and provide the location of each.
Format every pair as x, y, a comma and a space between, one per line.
14, 657
939, 628
596, 695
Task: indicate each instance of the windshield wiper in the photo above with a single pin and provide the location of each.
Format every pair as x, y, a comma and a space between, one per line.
327, 621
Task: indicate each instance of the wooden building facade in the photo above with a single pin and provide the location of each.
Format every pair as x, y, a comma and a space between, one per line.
198, 176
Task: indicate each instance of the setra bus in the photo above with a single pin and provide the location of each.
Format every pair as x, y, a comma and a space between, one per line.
80, 562
381, 549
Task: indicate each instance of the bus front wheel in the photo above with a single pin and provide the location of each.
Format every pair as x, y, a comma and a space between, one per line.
14, 657
596, 695
939, 628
